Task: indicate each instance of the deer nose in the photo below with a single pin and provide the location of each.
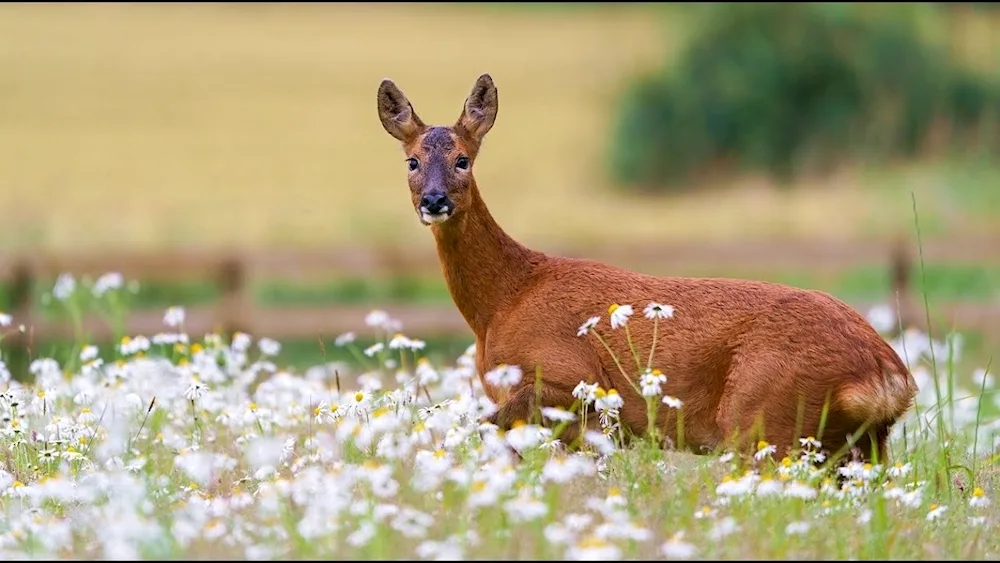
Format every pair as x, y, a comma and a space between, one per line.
434, 203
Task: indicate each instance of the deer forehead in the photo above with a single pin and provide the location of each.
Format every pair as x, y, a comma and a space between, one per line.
439, 141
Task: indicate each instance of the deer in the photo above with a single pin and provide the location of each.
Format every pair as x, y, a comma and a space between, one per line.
749, 360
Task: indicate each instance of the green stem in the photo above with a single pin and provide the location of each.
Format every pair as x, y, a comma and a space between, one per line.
617, 363
937, 385
656, 323
979, 414
631, 347
651, 408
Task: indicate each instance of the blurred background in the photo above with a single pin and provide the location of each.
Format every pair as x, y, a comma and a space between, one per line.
229, 156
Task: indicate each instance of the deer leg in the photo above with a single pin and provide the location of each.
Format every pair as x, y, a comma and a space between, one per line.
524, 403
760, 403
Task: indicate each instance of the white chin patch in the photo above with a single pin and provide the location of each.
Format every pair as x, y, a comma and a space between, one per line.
435, 219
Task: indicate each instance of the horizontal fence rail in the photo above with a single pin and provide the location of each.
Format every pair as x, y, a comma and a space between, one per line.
661, 258
233, 271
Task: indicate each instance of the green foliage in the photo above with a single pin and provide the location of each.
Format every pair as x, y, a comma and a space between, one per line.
944, 282
781, 88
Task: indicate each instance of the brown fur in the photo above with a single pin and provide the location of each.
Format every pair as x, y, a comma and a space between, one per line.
750, 359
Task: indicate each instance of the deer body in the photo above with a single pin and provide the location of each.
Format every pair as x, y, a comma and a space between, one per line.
749, 359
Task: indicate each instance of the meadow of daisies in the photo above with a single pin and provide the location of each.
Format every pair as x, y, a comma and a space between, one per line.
182, 445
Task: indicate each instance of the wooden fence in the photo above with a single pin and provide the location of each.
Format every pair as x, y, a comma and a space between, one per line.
234, 270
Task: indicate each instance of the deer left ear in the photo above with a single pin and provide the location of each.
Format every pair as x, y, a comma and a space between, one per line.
396, 112
480, 111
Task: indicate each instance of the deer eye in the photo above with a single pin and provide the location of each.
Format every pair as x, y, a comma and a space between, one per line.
412, 164
462, 163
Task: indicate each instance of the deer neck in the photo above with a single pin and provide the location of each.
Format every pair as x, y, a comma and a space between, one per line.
483, 266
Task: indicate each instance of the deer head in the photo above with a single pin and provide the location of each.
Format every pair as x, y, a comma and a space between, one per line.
439, 159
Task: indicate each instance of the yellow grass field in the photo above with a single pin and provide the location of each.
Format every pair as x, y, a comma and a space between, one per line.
143, 126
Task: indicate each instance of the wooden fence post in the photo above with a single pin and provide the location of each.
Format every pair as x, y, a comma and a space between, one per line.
233, 311
17, 344
900, 266
393, 274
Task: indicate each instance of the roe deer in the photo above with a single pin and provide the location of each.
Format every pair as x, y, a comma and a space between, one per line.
736, 352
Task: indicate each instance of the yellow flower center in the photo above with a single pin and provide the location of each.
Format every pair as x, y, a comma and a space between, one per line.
592, 541
477, 486
439, 453
214, 522
614, 492
253, 407
761, 445
196, 347
613, 308
359, 396
977, 492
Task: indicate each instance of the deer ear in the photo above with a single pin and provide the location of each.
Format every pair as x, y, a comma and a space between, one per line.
480, 109
396, 112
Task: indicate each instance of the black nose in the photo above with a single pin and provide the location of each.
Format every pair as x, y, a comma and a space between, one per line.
434, 203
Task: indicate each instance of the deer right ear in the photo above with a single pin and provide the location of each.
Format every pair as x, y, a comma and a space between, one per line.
480, 110
396, 112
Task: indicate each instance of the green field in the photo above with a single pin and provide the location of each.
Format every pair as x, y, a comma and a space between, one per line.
941, 282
